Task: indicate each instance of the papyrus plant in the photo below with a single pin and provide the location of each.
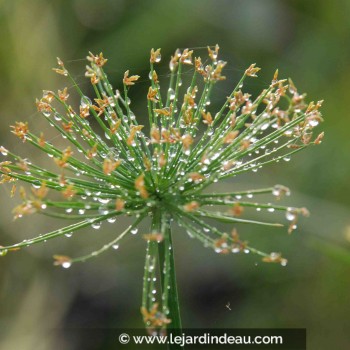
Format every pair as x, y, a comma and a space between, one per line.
111, 165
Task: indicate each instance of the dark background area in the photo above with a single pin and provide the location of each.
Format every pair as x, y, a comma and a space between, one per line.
308, 41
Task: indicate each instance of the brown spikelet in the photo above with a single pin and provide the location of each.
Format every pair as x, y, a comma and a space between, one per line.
140, 186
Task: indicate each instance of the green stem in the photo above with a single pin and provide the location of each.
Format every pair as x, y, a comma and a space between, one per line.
168, 280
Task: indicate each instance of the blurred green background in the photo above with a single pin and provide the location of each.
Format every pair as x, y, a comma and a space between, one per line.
308, 41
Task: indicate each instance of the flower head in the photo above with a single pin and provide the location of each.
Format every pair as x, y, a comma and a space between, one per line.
164, 172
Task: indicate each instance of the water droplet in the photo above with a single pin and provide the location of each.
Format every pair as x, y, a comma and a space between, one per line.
103, 211
115, 246
190, 234
134, 231
290, 215
264, 126
96, 225
66, 264
57, 117
69, 234
171, 66
112, 220
46, 113
171, 93
85, 102
3, 151
313, 122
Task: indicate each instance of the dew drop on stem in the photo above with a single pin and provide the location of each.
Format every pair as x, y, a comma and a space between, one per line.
171, 93
66, 264
290, 215
96, 225
85, 102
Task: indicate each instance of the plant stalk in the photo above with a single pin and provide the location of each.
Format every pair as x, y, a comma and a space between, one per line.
168, 279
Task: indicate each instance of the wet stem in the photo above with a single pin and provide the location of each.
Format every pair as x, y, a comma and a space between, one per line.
168, 274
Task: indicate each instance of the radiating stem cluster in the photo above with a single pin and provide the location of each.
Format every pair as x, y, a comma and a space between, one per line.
104, 164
